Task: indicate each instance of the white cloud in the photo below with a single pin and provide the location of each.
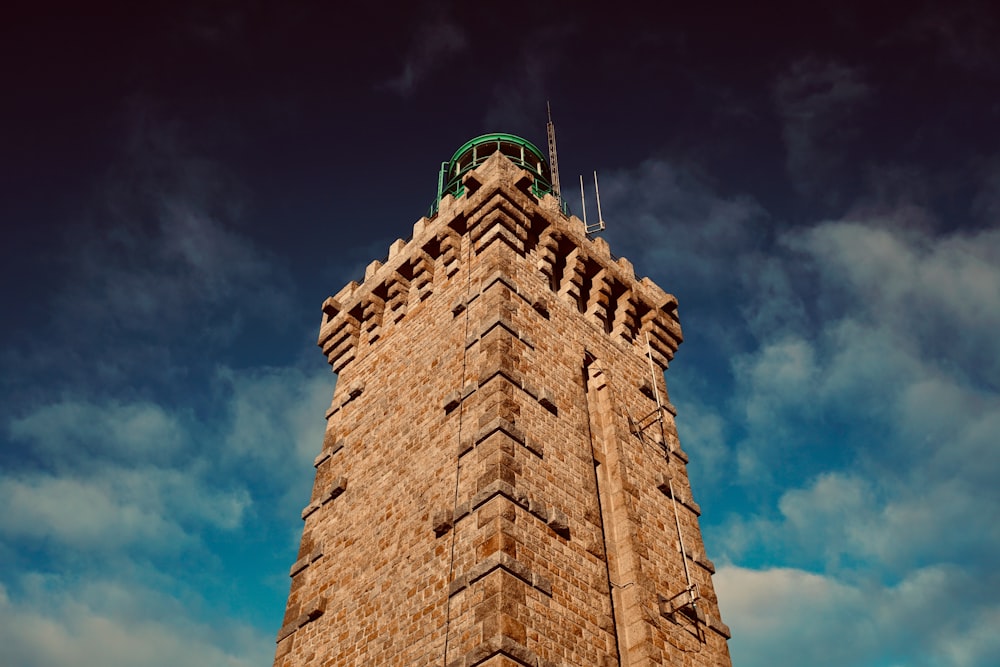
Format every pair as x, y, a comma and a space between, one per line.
79, 514
274, 429
784, 374
669, 218
774, 308
703, 433
112, 624
113, 475
867, 408
276, 414
101, 504
790, 616
144, 508
82, 430
888, 304
922, 288
136, 455
872, 417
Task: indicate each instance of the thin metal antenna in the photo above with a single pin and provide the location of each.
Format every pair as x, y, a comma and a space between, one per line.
599, 225
600, 218
550, 129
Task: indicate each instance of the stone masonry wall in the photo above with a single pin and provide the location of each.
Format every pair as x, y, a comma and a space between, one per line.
497, 485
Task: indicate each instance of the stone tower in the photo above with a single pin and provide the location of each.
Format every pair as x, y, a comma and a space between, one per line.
501, 482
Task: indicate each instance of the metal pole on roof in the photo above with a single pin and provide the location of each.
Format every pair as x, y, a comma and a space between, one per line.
597, 190
550, 129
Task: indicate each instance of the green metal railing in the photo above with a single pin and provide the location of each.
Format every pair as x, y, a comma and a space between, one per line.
476, 151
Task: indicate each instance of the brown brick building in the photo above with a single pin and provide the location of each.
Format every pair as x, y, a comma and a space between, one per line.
501, 481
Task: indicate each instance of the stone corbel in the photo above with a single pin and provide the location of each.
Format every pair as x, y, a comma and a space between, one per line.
599, 299
338, 336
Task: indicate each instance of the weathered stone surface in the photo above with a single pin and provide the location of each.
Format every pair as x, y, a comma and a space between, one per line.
499, 503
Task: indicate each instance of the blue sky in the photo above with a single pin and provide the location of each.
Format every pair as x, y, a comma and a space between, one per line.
184, 183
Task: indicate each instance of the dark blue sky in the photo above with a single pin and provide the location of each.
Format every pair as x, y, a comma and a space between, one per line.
182, 184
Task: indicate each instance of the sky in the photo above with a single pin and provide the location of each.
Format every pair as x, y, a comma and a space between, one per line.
183, 183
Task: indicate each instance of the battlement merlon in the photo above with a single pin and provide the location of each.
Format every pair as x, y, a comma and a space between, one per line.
498, 203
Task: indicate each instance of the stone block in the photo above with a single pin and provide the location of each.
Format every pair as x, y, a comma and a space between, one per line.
452, 400
442, 522
663, 483
338, 486
548, 401
558, 521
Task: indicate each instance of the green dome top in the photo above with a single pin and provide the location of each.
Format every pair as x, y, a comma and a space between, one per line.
476, 151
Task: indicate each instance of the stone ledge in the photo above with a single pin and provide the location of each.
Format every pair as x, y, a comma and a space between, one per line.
669, 607
699, 558
452, 401
314, 612
532, 445
501, 561
499, 277
306, 561
544, 396
663, 484
499, 424
504, 646
321, 458
499, 320
558, 522
442, 521
548, 401
309, 509
680, 454
553, 517
338, 486
455, 398
715, 623
538, 304
353, 392
327, 453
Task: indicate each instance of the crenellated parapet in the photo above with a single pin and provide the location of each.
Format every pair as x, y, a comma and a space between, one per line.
499, 204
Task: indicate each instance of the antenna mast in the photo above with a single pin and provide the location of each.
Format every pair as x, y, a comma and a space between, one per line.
598, 226
550, 129
600, 218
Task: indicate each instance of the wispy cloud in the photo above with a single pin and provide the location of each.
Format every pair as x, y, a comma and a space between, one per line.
522, 88
157, 266
791, 616
961, 33
142, 445
433, 42
815, 100
167, 247
54, 622
669, 218
101, 496
853, 403
910, 411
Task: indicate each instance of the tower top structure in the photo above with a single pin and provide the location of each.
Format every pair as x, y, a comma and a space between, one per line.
475, 152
